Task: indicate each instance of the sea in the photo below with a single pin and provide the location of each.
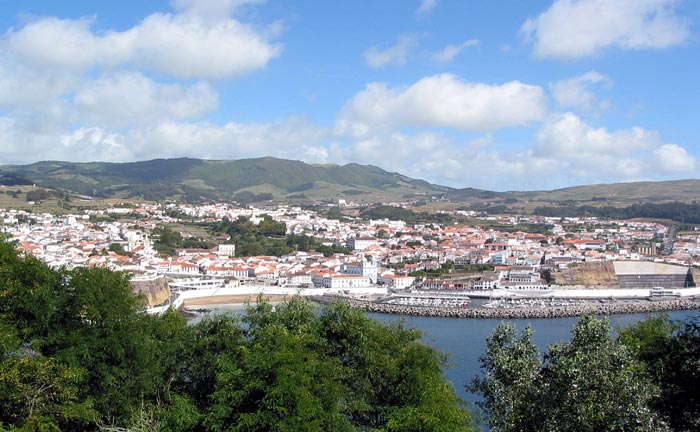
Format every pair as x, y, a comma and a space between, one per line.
464, 339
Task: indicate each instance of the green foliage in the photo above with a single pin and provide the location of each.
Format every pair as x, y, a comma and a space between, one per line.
198, 180
676, 211
592, 383
167, 240
396, 382
404, 214
78, 353
511, 369
117, 248
247, 197
335, 213
268, 238
671, 353
38, 195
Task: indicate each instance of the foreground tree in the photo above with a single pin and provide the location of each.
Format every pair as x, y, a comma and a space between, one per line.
78, 353
670, 351
593, 383
339, 371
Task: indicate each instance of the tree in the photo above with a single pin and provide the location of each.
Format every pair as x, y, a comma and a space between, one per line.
396, 381
511, 368
117, 248
341, 370
77, 352
592, 383
671, 353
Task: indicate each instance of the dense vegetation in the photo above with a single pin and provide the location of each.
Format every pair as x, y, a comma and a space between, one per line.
644, 380
197, 180
269, 238
167, 240
247, 197
404, 214
78, 354
676, 211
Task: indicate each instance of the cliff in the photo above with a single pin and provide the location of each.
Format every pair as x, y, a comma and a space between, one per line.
156, 291
588, 274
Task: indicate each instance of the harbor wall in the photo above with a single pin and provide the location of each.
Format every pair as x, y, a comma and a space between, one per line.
525, 312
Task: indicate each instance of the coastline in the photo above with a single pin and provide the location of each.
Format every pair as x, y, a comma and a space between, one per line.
518, 313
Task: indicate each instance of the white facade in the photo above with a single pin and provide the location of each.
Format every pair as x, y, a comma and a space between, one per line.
367, 267
397, 282
227, 250
361, 243
345, 281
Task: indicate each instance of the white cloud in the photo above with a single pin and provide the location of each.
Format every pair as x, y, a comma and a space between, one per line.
89, 144
442, 101
571, 29
591, 153
183, 45
426, 6
24, 87
672, 158
567, 135
450, 51
575, 92
288, 138
129, 98
210, 9
396, 55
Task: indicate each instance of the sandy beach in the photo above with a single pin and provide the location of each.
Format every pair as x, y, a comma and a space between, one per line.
234, 299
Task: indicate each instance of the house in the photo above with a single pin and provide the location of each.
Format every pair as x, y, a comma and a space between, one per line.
361, 243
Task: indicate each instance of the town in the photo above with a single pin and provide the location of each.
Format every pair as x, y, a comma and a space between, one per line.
491, 254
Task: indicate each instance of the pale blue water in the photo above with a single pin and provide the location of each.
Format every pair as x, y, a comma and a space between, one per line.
464, 340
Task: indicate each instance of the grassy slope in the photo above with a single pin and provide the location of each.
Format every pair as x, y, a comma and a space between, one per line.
222, 179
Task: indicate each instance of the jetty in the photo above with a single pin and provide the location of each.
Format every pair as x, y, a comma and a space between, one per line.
588, 308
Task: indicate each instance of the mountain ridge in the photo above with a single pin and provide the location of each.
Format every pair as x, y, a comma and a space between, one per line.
265, 178
201, 180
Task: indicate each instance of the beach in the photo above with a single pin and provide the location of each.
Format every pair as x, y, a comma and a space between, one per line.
235, 299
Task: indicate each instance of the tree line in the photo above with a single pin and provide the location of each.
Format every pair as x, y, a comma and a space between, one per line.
269, 237
77, 353
676, 211
645, 379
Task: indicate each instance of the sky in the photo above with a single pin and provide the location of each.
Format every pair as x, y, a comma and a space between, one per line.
498, 95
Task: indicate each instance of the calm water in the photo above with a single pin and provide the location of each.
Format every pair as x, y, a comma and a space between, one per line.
464, 340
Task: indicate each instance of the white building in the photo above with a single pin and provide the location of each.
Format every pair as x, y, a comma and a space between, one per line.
342, 281
361, 243
396, 282
366, 267
226, 250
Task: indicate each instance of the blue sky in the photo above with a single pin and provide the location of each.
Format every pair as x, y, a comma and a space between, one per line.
506, 95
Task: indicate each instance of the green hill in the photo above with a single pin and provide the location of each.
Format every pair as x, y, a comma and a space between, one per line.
209, 180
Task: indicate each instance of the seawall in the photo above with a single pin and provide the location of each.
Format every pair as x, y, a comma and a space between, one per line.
516, 313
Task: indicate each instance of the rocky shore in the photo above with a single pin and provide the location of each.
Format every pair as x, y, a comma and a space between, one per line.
525, 312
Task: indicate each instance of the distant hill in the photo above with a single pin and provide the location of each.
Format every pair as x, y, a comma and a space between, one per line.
281, 180
200, 180
614, 194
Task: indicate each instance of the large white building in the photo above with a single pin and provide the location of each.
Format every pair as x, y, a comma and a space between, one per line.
367, 267
342, 281
361, 243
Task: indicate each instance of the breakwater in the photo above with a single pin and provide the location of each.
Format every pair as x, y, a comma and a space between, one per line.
524, 312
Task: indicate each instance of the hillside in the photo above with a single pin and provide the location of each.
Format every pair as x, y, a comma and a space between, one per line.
247, 180
281, 180
614, 194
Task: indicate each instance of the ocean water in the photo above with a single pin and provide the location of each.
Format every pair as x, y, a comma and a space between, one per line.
464, 340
